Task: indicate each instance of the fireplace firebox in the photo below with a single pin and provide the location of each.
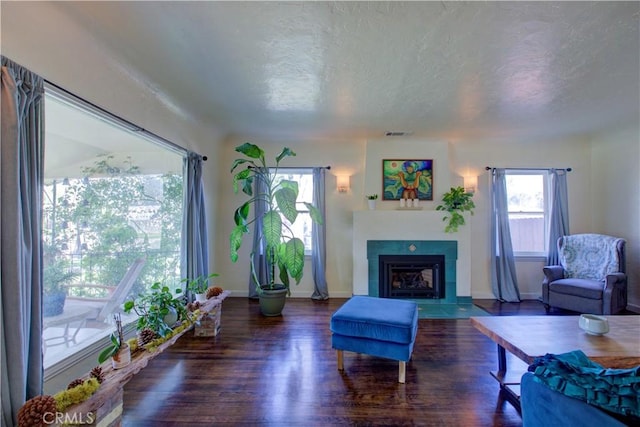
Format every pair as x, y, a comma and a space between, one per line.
411, 276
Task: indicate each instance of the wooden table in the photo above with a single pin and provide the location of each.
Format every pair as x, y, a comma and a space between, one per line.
528, 337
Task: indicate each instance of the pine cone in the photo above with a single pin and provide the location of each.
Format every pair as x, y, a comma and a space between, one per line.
33, 411
214, 292
75, 383
145, 336
97, 374
193, 306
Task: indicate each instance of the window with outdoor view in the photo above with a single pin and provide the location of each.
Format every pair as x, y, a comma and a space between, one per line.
303, 224
111, 197
528, 207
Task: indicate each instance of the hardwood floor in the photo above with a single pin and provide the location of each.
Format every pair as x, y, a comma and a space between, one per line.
282, 372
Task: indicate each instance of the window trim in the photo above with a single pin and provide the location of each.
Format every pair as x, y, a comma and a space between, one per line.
63, 95
546, 191
80, 358
300, 171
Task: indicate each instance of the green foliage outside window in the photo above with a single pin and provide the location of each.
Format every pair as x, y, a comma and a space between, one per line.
112, 215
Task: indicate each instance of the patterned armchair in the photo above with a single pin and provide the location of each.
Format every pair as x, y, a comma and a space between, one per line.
591, 276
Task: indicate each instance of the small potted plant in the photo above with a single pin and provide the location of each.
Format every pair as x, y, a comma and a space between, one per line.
158, 309
118, 350
456, 201
55, 276
371, 199
199, 285
282, 248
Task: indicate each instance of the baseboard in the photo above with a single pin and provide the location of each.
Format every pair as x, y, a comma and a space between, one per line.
633, 307
294, 294
306, 294
523, 296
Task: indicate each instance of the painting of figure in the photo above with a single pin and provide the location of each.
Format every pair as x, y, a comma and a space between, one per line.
407, 179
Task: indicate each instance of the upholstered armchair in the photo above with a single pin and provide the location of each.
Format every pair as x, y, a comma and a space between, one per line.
591, 276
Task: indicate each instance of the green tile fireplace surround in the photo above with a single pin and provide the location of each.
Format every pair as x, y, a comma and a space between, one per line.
448, 248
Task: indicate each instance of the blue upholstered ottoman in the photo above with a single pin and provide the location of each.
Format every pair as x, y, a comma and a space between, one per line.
380, 327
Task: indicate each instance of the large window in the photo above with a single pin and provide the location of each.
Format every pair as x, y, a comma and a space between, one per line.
111, 196
303, 224
528, 206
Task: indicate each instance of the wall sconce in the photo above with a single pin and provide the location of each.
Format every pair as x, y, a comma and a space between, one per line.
470, 184
342, 183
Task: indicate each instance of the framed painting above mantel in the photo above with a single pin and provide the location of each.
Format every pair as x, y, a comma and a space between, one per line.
407, 179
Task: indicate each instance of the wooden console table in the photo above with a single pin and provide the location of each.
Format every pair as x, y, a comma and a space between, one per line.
105, 404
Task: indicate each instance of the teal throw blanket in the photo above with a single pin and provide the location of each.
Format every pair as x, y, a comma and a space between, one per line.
574, 375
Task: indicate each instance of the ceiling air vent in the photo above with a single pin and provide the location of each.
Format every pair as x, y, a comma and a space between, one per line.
397, 133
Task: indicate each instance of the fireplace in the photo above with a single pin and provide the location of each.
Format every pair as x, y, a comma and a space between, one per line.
411, 276
411, 257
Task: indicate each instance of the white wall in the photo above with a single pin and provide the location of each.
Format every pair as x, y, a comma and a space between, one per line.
470, 159
344, 157
38, 36
615, 183
407, 148
603, 185
452, 161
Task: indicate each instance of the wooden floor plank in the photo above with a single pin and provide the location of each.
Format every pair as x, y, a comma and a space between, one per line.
282, 371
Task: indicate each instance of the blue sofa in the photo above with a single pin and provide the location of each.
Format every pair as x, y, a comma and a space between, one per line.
544, 407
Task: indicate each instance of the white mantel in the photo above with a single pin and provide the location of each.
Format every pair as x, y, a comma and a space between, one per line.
406, 225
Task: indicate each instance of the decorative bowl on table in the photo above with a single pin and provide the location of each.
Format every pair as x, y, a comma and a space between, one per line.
593, 324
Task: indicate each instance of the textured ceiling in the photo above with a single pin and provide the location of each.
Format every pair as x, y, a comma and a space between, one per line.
451, 70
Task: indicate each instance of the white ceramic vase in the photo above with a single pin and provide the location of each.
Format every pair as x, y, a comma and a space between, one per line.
171, 317
372, 205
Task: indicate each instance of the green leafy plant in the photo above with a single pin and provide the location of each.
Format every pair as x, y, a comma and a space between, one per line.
55, 276
456, 201
200, 284
153, 305
283, 249
117, 341
372, 196
100, 204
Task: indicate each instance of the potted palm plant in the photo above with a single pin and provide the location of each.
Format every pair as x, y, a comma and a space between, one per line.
283, 251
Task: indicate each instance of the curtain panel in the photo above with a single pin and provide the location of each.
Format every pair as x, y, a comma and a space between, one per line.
319, 238
21, 185
503, 267
259, 258
559, 215
194, 235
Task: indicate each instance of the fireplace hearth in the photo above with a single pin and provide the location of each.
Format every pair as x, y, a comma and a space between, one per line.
412, 276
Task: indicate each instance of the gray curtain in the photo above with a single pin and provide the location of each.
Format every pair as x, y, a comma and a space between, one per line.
21, 183
559, 217
195, 253
259, 257
503, 267
319, 238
